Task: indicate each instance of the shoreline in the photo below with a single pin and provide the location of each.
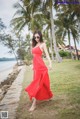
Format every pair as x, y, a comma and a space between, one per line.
11, 99
4, 74
11, 75
6, 68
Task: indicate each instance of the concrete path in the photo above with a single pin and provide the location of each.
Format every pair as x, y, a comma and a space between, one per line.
11, 99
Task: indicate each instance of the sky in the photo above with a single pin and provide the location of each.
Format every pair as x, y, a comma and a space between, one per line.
6, 13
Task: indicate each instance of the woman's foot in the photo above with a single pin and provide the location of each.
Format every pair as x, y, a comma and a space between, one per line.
33, 105
50, 99
32, 108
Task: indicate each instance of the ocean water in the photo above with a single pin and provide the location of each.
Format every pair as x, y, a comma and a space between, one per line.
5, 65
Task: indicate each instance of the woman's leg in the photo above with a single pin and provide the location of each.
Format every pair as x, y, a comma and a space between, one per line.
33, 106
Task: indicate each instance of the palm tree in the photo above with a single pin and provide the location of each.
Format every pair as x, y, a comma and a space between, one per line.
74, 11
47, 28
66, 25
32, 16
48, 5
28, 16
21, 20
75, 38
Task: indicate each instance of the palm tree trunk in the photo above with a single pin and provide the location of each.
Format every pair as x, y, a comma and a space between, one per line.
70, 44
76, 49
58, 58
79, 24
51, 44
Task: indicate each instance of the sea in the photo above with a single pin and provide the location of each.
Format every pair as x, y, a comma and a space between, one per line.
6, 67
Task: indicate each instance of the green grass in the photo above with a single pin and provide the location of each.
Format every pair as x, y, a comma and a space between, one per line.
65, 84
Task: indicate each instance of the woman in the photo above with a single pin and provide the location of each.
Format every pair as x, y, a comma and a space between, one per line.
39, 89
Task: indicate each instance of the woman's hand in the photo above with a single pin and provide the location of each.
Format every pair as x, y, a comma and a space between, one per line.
32, 66
47, 55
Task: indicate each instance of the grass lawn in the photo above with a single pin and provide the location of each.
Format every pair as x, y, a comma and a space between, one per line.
65, 84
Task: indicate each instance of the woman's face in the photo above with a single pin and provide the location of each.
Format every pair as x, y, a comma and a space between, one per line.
37, 37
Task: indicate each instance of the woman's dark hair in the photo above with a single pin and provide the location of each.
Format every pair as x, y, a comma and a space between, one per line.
33, 39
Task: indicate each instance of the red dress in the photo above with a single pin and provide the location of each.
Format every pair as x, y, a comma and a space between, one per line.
40, 85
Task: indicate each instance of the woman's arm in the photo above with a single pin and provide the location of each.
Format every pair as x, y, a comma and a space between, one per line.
31, 54
31, 48
47, 54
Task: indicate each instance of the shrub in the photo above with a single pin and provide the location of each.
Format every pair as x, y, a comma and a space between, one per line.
64, 54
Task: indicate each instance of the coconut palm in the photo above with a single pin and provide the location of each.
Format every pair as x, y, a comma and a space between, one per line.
48, 6
75, 38
27, 16
33, 18
66, 25
74, 11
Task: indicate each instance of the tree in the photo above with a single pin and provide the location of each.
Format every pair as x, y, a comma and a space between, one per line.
10, 43
66, 25
75, 38
2, 27
74, 12
33, 17
27, 16
48, 5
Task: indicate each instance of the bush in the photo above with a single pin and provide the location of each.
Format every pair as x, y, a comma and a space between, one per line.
64, 54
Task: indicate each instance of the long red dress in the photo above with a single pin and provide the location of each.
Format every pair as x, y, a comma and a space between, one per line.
40, 85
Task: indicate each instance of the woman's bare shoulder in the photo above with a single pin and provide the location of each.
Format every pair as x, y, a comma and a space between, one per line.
43, 46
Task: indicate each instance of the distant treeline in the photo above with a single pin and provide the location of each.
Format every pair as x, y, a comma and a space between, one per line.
7, 59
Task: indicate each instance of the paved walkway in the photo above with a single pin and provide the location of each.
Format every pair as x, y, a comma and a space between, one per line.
11, 99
